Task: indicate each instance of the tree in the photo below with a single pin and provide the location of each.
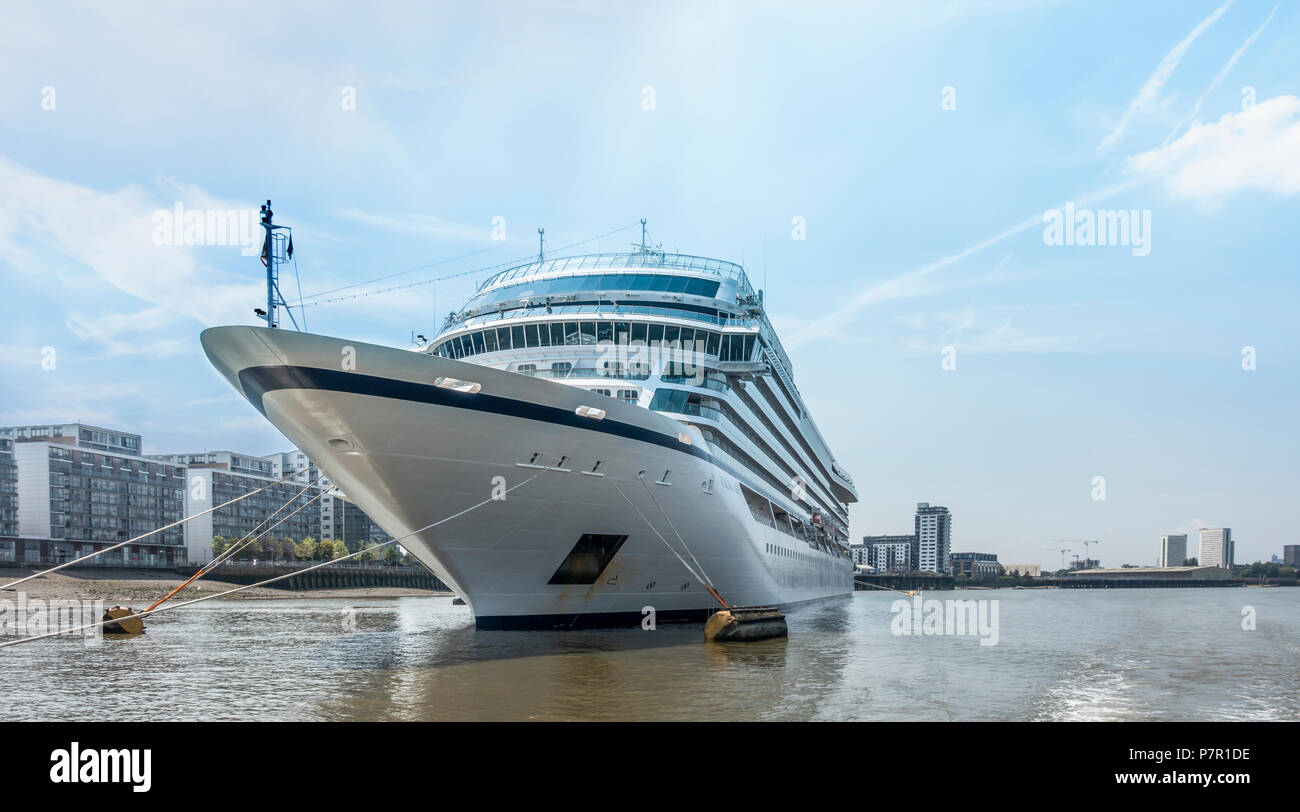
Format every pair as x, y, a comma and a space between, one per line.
305, 550
331, 549
219, 545
287, 549
366, 548
391, 555
1190, 562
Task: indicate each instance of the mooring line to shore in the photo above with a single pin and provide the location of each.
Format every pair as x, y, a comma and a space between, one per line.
250, 538
146, 535
878, 586
192, 601
229, 553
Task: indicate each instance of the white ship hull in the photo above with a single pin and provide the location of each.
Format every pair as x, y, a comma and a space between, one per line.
410, 453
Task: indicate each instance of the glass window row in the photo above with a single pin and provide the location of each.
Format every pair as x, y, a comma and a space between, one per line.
724, 347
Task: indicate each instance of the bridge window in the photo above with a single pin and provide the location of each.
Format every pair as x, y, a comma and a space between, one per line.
669, 400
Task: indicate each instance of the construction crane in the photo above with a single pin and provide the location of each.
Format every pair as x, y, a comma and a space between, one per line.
1086, 556
1084, 542
1062, 551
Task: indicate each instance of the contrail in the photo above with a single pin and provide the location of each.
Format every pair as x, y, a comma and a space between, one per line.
1218, 79
899, 287
1147, 95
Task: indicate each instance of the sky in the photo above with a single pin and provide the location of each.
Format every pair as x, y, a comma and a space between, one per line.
890, 174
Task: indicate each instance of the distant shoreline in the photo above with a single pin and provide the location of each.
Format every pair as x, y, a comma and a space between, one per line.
130, 586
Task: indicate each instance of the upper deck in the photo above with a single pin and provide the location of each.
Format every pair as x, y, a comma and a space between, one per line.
649, 260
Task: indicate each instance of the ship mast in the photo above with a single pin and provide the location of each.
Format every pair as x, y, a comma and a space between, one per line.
277, 248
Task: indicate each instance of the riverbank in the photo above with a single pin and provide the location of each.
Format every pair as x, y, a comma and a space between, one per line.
133, 586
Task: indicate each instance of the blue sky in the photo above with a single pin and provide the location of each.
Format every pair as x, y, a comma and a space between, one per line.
923, 208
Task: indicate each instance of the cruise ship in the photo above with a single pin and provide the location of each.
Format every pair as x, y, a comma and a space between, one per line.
627, 425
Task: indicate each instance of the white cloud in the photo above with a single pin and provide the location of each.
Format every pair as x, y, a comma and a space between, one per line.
1256, 149
1150, 92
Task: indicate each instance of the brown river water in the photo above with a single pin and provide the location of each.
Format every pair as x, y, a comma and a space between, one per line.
1158, 654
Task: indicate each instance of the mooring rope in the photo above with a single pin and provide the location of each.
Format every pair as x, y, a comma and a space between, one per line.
192, 601
249, 539
242, 543
670, 547
145, 535
650, 493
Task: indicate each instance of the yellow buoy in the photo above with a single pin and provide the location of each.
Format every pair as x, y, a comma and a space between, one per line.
126, 623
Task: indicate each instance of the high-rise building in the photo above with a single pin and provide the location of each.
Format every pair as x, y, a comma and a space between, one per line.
1291, 555
8, 497
283, 510
339, 517
82, 488
933, 538
888, 553
1173, 550
1216, 547
352, 525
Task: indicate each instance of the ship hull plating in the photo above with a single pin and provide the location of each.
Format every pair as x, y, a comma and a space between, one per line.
582, 519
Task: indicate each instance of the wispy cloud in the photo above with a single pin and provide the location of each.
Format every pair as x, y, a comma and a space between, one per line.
1221, 75
420, 225
71, 400
121, 334
975, 334
1150, 91
112, 233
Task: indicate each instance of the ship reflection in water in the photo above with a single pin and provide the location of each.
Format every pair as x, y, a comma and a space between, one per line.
1114, 654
